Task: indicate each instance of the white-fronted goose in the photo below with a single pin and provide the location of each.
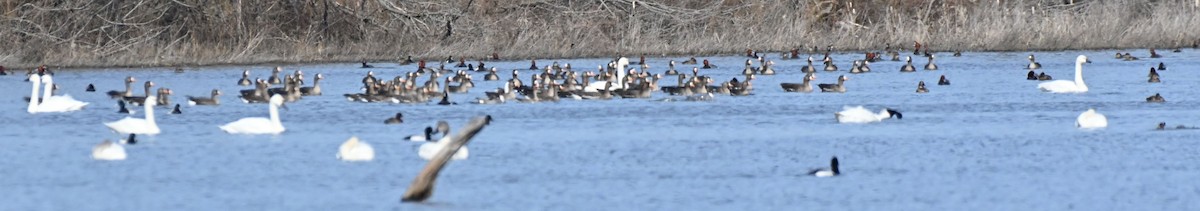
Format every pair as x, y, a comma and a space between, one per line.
840, 87
804, 87
138, 100
212, 100
128, 89
315, 89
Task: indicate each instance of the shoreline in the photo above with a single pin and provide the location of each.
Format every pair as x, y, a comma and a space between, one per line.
767, 54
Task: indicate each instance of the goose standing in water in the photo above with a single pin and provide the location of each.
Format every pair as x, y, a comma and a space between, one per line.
1033, 64
749, 70
355, 150
138, 100
492, 76
943, 81
206, 101
399, 118
164, 95
1157, 98
1153, 76
827, 172
829, 66
49, 102
1065, 86
315, 89
128, 89
805, 87
259, 125
931, 65
671, 69
245, 81
808, 68
840, 87
108, 150
855, 68
858, 114
767, 68
921, 87
274, 79
130, 125
908, 66
1090, 119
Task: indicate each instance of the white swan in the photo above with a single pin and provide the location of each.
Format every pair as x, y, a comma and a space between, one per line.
130, 125
429, 149
259, 125
1090, 119
33, 99
1065, 86
858, 114
355, 150
108, 150
63, 103
620, 65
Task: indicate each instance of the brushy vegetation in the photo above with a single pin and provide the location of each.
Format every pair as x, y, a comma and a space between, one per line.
204, 32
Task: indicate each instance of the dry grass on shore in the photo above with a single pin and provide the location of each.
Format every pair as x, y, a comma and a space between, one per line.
202, 32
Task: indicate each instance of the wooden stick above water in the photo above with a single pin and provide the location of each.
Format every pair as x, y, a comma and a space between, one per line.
422, 186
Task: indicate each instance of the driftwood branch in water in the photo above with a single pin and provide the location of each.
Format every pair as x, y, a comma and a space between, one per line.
422, 186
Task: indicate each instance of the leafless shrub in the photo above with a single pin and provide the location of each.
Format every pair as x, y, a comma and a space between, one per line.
197, 32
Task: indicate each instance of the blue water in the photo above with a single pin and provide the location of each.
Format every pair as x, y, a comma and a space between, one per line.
990, 141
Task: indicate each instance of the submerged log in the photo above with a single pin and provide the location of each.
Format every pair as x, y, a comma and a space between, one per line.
422, 186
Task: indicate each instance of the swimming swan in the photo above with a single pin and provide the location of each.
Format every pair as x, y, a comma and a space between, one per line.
50, 103
108, 150
355, 150
130, 125
1090, 119
259, 125
1065, 86
858, 114
429, 149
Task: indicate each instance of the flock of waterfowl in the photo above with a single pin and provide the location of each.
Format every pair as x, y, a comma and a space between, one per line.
618, 78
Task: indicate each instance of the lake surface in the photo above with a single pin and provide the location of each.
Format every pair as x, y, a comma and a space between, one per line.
990, 141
